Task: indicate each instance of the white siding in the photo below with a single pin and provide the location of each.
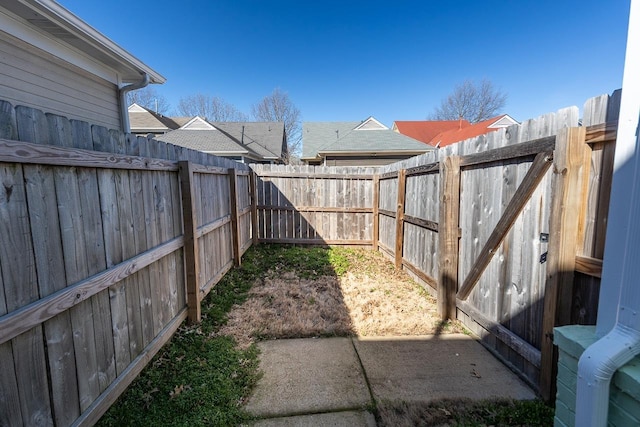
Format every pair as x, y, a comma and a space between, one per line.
32, 77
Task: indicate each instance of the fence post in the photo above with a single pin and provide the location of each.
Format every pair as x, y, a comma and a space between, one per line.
571, 163
235, 223
253, 187
448, 235
191, 256
376, 206
402, 180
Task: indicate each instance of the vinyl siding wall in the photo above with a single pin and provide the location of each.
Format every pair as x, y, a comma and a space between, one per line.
32, 77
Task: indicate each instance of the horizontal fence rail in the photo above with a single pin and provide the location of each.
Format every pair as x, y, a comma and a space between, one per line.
96, 273
111, 241
472, 222
315, 205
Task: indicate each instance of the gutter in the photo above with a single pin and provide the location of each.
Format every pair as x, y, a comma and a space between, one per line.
122, 95
596, 367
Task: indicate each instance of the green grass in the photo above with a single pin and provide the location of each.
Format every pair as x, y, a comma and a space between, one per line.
308, 263
199, 378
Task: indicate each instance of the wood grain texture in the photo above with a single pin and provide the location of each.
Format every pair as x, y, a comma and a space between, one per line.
235, 222
376, 206
567, 210
191, 255
448, 237
513, 209
402, 179
29, 153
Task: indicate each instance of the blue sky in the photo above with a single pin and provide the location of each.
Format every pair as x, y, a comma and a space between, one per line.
346, 60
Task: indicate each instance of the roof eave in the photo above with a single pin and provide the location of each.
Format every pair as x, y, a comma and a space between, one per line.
93, 42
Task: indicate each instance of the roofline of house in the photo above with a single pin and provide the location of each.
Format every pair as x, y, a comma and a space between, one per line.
88, 40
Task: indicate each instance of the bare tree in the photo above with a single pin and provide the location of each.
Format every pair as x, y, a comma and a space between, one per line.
472, 101
278, 107
211, 108
149, 97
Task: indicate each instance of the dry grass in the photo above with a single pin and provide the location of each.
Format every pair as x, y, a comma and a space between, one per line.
465, 412
362, 295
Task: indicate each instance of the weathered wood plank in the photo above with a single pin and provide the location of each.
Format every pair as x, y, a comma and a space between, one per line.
508, 152
24, 318
424, 169
117, 387
602, 133
429, 225
31, 200
336, 209
152, 237
143, 284
191, 255
29, 153
511, 212
356, 242
402, 180
212, 226
293, 175
566, 214
253, 190
17, 263
45, 229
421, 274
522, 347
235, 223
376, 207
589, 266
448, 237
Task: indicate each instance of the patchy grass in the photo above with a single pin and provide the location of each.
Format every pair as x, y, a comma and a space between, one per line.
465, 412
332, 292
198, 378
201, 377
204, 374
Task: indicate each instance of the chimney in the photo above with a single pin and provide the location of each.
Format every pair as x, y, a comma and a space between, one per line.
242, 136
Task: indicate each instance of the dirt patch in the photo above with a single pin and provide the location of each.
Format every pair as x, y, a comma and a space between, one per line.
368, 297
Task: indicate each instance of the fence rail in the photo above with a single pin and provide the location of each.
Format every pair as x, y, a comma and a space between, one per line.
95, 269
109, 241
476, 223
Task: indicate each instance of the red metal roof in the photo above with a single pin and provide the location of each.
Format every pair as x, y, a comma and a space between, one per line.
445, 132
456, 135
426, 130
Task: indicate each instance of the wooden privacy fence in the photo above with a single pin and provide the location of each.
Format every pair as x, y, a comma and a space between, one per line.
107, 243
507, 229
314, 204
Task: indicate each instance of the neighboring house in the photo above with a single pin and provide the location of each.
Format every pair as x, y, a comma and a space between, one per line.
144, 121
440, 133
366, 143
246, 142
54, 61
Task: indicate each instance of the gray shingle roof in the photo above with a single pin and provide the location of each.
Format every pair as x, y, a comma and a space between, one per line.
264, 138
337, 137
203, 140
315, 135
261, 140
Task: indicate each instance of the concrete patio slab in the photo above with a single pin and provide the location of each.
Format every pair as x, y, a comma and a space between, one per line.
306, 376
426, 368
335, 419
